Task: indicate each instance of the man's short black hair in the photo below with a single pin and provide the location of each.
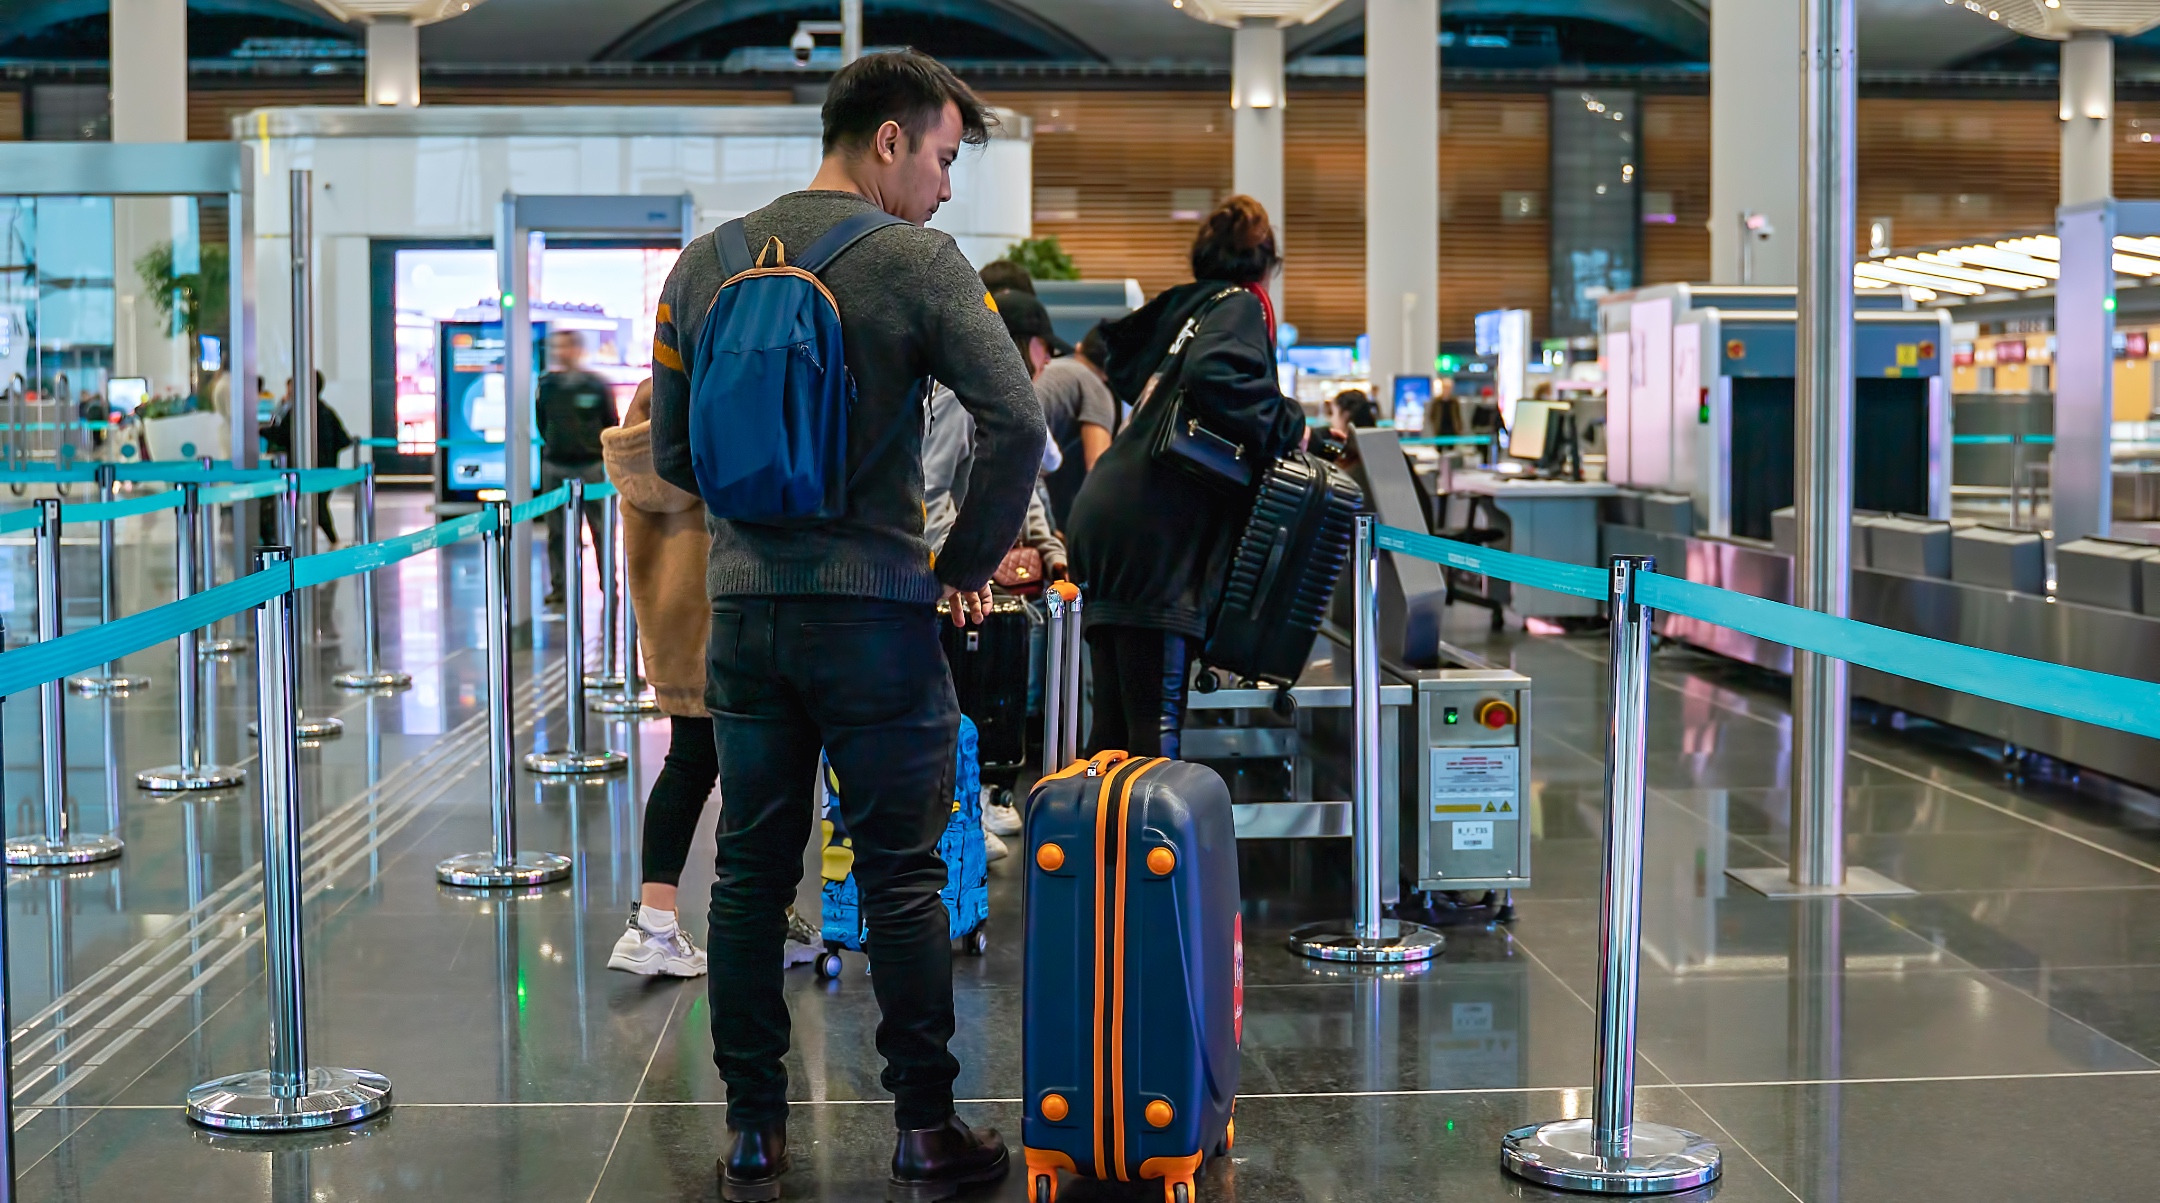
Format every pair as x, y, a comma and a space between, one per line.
903, 86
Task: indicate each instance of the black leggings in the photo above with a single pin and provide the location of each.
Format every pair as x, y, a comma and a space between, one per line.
1140, 681
678, 798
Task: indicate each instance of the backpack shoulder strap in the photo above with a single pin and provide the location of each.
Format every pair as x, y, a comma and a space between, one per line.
732, 242
834, 242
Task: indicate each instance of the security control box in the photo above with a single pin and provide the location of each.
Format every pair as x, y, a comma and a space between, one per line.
1469, 812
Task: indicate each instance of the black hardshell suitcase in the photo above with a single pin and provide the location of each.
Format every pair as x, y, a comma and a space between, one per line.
990, 674
1133, 998
1283, 572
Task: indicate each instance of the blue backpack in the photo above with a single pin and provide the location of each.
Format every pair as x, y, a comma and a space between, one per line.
770, 391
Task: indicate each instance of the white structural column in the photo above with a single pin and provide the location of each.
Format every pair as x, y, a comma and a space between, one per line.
1257, 99
149, 104
149, 70
2088, 118
1754, 121
393, 62
1402, 190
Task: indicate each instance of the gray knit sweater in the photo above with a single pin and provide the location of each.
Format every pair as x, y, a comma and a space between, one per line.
911, 306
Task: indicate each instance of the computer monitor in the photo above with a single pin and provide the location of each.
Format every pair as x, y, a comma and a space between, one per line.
1527, 439
124, 393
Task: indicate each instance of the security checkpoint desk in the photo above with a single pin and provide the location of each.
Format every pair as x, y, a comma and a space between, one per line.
1549, 519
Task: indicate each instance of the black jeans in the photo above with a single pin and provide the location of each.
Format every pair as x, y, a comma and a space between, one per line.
678, 798
1140, 681
552, 475
866, 681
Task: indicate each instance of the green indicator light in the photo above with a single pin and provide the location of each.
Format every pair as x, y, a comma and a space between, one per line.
1451, 1125
1450, 716
508, 301
2108, 304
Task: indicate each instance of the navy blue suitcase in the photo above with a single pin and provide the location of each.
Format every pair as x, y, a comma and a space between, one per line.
1134, 996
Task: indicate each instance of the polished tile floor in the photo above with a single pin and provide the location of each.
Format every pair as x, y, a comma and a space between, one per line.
1994, 1036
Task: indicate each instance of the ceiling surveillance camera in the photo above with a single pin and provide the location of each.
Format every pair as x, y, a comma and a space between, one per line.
802, 44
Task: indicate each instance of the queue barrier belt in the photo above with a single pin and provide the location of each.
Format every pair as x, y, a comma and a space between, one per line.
227, 494
2120, 703
32, 665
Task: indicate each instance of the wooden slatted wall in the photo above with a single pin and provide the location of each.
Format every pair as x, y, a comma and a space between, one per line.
1676, 163
11, 115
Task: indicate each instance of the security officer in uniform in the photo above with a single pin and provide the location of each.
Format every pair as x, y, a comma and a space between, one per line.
573, 407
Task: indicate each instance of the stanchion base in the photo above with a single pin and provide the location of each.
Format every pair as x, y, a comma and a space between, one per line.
1859, 883
602, 681
479, 870
375, 680
576, 763
1337, 940
213, 649
246, 1102
624, 705
118, 683
75, 850
306, 727
1562, 1154
179, 778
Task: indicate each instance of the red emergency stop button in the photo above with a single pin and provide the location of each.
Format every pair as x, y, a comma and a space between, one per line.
1492, 713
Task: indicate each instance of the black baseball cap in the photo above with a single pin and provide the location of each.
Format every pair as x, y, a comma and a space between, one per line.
1026, 318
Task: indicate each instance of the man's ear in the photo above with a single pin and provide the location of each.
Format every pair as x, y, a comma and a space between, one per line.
887, 141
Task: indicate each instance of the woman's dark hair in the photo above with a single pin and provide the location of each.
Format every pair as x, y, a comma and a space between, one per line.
1236, 243
1354, 405
1000, 274
1094, 348
903, 86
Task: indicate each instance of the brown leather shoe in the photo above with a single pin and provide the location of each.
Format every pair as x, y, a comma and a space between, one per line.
931, 1164
750, 1173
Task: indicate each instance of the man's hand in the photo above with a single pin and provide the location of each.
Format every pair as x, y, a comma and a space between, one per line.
967, 608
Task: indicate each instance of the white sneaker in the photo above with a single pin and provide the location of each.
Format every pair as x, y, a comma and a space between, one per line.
993, 848
669, 955
805, 943
1001, 819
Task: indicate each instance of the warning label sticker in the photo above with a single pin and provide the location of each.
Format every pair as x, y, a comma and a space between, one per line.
1476, 781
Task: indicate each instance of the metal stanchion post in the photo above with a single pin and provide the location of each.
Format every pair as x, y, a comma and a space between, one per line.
574, 758
502, 865
631, 701
213, 644
193, 772
372, 675
7, 1045
56, 845
294, 529
1609, 1153
1369, 937
291, 1095
108, 679
612, 597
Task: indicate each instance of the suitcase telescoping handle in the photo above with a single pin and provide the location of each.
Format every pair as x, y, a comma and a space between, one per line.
1061, 681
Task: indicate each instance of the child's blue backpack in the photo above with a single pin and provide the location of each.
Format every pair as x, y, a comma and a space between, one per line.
770, 390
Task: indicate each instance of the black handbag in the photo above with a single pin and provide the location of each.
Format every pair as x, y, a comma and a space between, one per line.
1182, 442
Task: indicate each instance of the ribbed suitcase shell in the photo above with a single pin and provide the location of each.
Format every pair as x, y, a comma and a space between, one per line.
989, 664
1304, 520
1134, 974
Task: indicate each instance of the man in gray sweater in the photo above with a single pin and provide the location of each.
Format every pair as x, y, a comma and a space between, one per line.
825, 636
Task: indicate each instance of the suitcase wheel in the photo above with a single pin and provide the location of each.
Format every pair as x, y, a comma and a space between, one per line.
829, 965
1045, 1189
976, 942
1177, 1192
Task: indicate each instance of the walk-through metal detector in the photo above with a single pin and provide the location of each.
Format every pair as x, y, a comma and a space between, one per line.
198, 169
524, 224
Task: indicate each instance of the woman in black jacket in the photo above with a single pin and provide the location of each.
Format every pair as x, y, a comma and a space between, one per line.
1149, 544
